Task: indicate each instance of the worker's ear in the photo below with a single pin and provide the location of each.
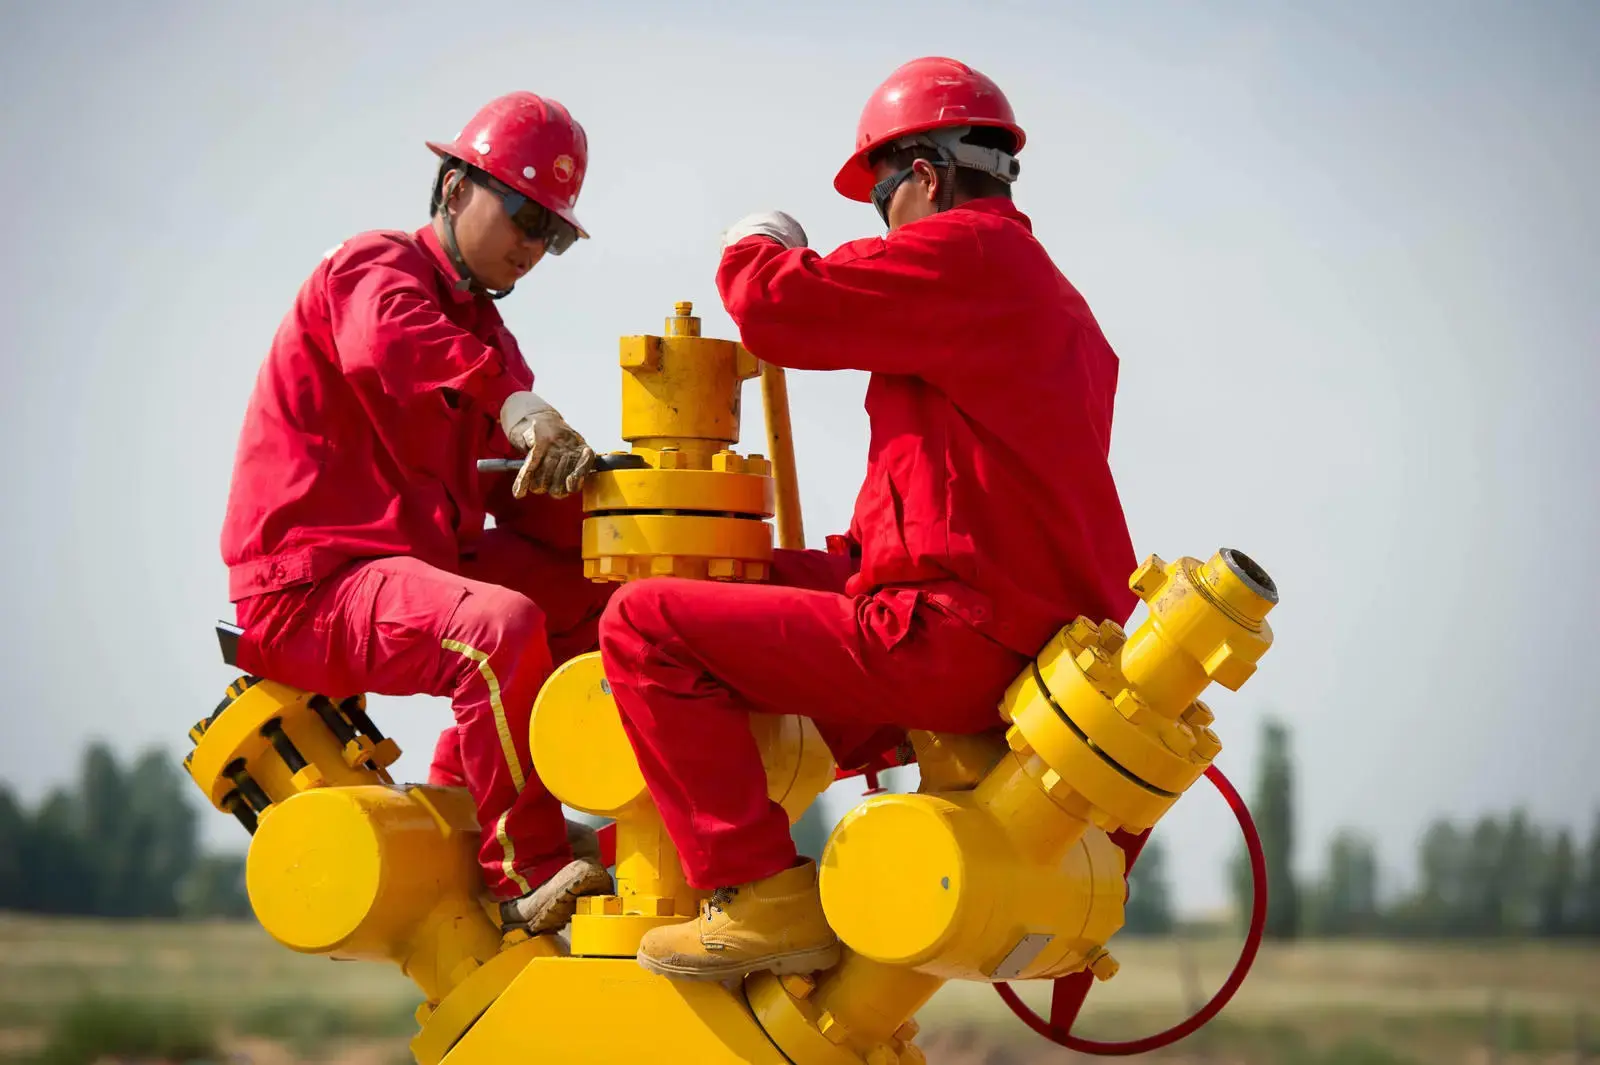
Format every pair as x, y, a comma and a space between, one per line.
928, 178
458, 194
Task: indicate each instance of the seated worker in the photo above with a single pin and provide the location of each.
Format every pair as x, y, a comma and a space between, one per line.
988, 518
354, 538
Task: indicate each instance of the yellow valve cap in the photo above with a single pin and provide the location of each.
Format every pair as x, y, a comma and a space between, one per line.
894, 879
336, 868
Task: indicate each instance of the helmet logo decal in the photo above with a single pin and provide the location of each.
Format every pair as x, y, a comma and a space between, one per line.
563, 167
481, 145
529, 172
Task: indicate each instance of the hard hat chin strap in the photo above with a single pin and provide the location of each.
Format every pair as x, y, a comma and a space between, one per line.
467, 281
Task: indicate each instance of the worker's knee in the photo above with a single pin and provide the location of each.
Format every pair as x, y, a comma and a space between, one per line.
632, 615
492, 621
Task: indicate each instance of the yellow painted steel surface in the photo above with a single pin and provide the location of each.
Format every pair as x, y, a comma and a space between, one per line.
608, 1011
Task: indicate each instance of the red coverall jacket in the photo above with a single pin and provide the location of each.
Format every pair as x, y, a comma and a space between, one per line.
990, 403
366, 421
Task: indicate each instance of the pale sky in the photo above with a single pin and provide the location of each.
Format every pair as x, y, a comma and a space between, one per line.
1348, 256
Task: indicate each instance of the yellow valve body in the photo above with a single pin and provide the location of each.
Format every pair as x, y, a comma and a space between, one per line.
933, 882
699, 510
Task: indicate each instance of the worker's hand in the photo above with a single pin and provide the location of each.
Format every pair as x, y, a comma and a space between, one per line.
558, 458
775, 224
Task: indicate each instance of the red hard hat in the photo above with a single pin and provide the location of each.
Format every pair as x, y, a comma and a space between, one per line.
924, 94
531, 143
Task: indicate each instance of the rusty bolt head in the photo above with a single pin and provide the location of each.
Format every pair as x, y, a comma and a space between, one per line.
723, 569
907, 1031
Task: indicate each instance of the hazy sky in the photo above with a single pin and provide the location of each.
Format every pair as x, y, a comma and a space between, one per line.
1348, 255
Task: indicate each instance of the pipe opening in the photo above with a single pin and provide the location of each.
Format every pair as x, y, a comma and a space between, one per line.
1250, 572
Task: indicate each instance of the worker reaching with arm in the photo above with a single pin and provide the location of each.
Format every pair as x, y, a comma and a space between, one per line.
355, 534
988, 518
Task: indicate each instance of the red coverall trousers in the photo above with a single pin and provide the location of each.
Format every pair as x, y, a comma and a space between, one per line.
484, 637
689, 661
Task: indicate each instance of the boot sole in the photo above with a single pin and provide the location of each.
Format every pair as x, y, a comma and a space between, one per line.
800, 961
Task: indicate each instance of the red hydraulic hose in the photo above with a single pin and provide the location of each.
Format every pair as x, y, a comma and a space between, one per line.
1061, 1033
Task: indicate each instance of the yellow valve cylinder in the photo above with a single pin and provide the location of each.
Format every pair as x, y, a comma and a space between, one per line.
583, 756
334, 871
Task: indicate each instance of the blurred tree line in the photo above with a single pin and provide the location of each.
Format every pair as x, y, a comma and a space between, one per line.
1496, 875
121, 841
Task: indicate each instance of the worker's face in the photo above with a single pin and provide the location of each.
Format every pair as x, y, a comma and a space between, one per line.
497, 250
917, 196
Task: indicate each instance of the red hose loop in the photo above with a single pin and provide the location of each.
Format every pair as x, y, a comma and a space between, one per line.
1241, 968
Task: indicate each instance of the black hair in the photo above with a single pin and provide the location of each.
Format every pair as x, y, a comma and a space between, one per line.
971, 184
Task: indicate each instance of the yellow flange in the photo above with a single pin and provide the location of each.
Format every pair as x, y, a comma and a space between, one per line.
698, 509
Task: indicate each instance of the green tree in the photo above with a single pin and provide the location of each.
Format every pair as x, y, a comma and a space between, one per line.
1441, 903
1558, 888
1486, 879
61, 876
215, 887
1149, 907
161, 841
13, 840
1345, 901
1589, 890
1273, 809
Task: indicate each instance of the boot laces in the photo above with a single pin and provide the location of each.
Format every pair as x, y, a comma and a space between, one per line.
720, 897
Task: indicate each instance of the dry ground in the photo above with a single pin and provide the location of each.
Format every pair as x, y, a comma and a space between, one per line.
1327, 1003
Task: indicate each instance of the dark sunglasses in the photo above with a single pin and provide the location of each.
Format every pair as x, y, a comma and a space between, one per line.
534, 219
884, 191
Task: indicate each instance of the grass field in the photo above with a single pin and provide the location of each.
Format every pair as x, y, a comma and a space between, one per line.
1344, 1003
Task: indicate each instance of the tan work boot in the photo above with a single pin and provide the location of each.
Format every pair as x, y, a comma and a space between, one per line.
548, 907
774, 924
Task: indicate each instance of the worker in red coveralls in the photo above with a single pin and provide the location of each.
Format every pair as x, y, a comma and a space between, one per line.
354, 536
988, 518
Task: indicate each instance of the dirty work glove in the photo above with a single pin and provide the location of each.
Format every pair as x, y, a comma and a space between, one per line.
775, 224
558, 458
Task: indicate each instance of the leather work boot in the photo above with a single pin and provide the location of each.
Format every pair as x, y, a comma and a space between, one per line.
548, 907
774, 924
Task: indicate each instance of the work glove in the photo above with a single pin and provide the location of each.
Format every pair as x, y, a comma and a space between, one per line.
775, 224
558, 458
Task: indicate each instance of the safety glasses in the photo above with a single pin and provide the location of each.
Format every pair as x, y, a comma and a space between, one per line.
884, 191
534, 219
